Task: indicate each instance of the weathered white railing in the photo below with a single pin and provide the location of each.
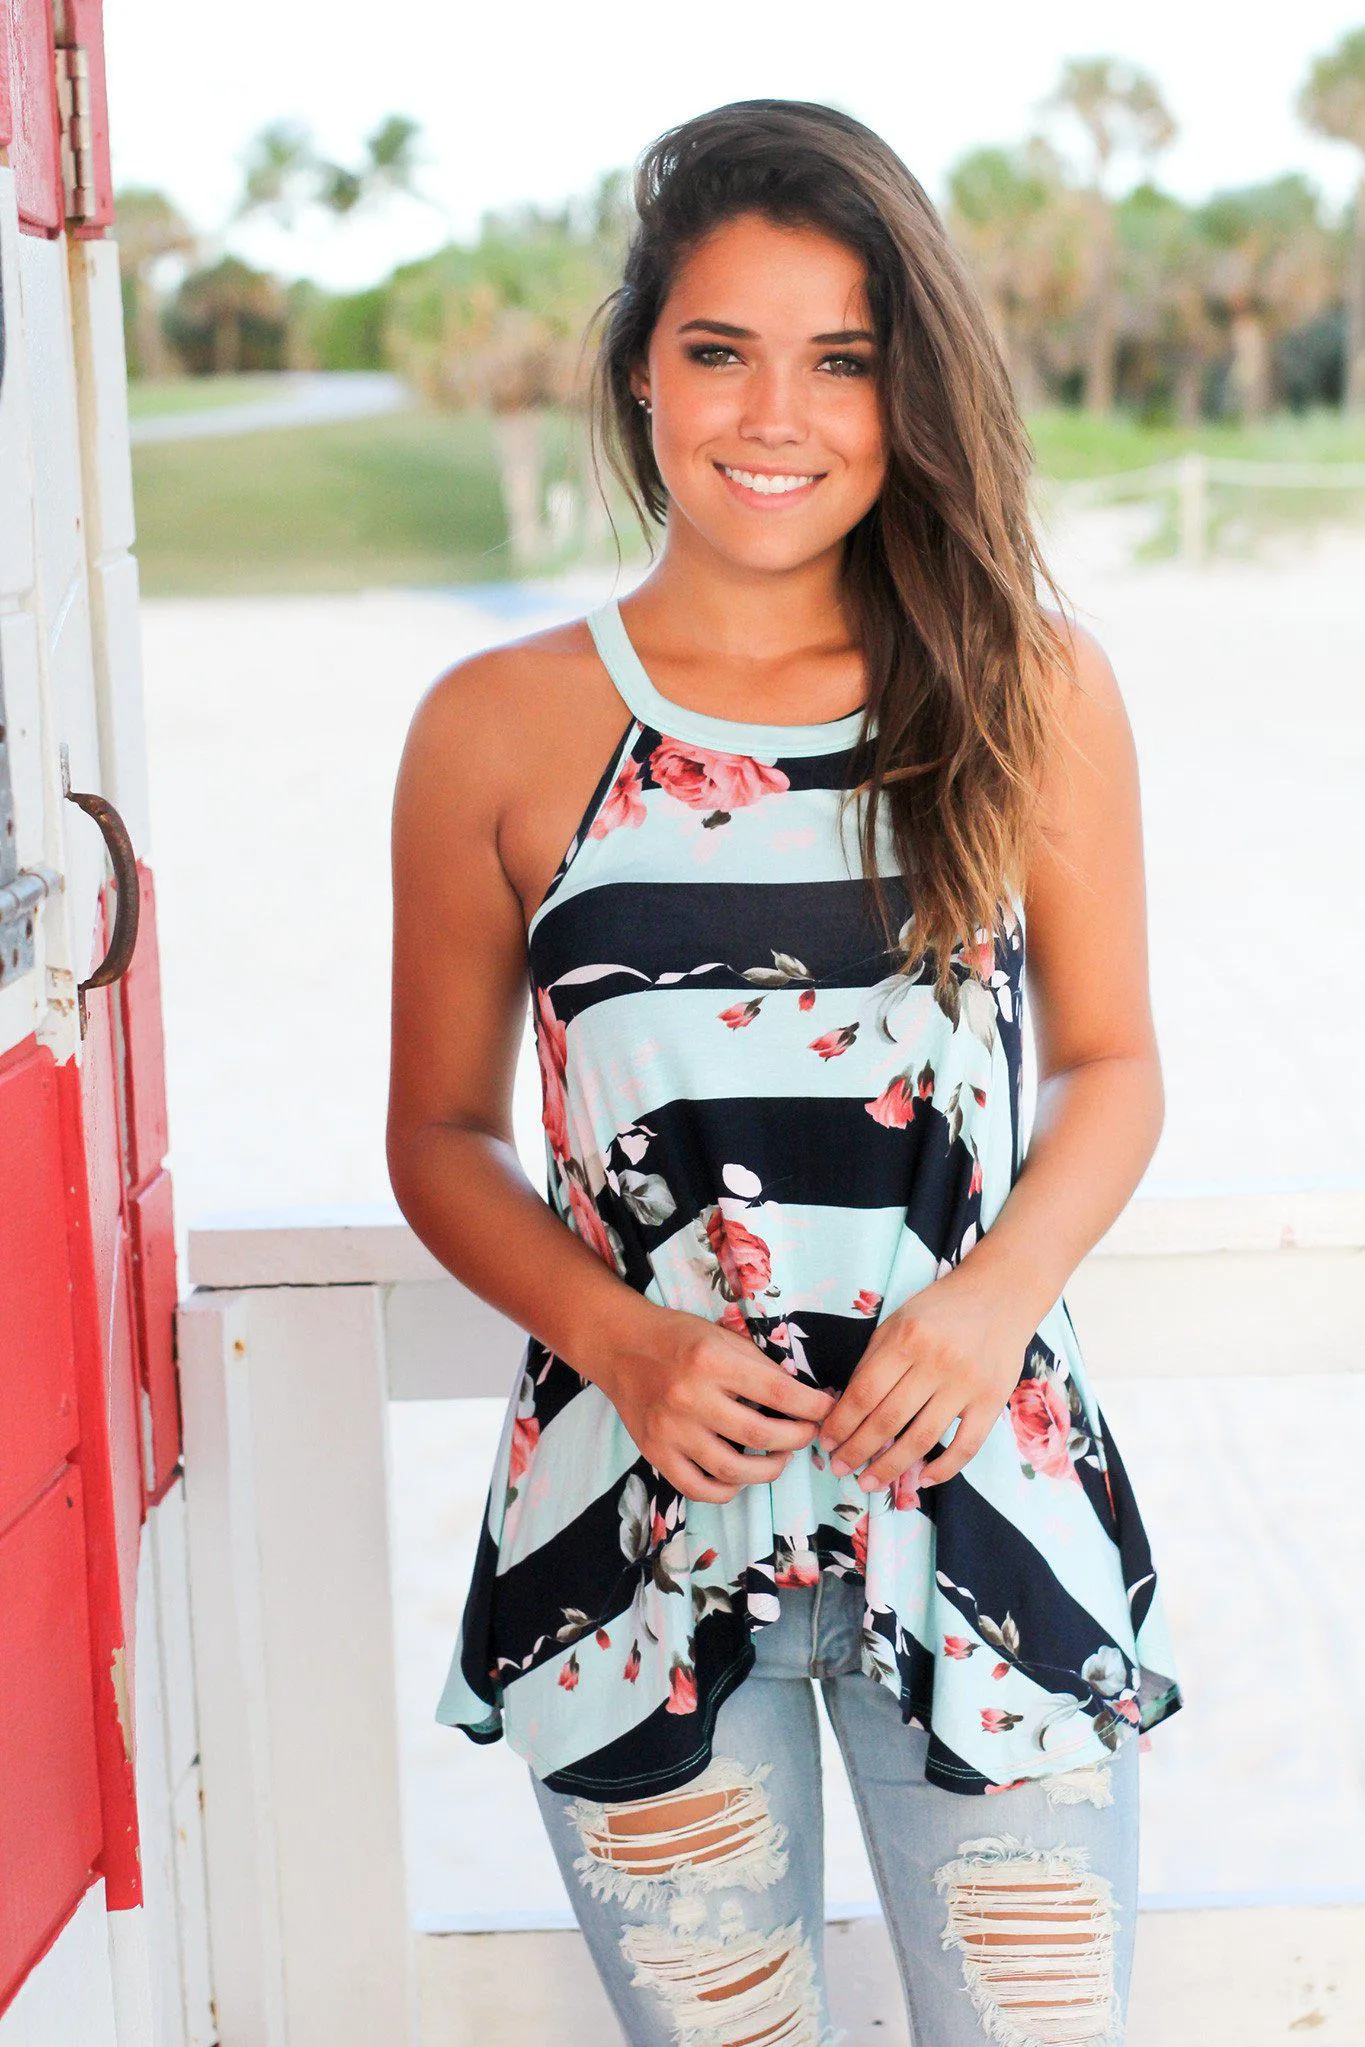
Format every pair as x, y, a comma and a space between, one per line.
299, 1332
1192, 477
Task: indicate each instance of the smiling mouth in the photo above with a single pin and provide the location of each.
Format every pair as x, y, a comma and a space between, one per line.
761, 483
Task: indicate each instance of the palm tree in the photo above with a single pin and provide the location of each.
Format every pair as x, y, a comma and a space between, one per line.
284, 172
147, 227
1271, 269
280, 173
229, 317
1332, 103
500, 328
389, 166
1122, 112
1018, 222
1168, 320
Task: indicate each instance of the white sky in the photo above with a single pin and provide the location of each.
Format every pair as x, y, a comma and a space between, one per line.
531, 100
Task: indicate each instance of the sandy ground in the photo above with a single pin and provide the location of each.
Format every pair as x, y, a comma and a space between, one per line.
275, 727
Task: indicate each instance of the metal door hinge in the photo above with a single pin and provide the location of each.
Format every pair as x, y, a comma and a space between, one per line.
77, 130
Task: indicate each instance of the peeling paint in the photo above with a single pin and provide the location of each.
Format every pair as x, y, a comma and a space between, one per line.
118, 1674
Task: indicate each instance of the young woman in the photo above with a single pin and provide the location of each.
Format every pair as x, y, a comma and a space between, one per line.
801, 1399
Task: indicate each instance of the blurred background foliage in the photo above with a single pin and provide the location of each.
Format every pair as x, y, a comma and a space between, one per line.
1135, 322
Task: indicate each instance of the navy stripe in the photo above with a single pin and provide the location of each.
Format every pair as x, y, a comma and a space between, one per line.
667, 1750
653, 928
979, 1547
529, 1595
824, 1151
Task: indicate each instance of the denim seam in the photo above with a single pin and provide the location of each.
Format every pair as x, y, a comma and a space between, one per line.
885, 1889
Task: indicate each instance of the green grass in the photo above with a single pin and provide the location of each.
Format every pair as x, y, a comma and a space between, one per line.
151, 398
1071, 445
408, 498
413, 498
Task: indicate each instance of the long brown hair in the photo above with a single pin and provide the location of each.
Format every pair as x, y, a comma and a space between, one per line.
939, 576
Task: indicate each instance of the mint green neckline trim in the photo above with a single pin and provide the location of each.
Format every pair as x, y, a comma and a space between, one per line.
676, 721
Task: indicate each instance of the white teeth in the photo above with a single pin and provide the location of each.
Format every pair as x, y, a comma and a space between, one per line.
767, 486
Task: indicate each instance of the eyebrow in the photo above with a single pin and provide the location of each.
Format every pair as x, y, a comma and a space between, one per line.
748, 334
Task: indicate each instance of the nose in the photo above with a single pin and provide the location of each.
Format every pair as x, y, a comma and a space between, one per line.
774, 411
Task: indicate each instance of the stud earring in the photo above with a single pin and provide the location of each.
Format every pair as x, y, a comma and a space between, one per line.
645, 402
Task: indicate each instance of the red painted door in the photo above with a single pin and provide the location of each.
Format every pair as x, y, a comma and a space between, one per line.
89, 1418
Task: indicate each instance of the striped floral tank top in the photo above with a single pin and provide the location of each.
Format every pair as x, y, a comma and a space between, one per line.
751, 1116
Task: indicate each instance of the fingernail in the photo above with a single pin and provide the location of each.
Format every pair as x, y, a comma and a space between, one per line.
838, 1466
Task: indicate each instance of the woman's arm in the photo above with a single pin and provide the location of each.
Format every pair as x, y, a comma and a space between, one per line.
459, 1012
956, 1348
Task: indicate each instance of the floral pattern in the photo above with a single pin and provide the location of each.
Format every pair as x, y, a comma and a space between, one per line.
779, 1055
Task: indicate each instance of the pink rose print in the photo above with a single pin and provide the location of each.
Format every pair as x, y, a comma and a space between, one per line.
708, 1556
806, 999
525, 1436
975, 1184
632, 1669
905, 1486
980, 956
624, 804
995, 1720
709, 781
745, 1261
979, 1097
552, 1049
860, 1528
740, 1013
1000, 1670
1041, 1421
957, 1645
834, 1042
602, 1639
895, 1105
865, 1302
802, 1569
732, 1317
568, 1676
1128, 1708
682, 1697
587, 1221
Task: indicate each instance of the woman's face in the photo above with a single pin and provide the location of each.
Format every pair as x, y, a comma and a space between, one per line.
763, 377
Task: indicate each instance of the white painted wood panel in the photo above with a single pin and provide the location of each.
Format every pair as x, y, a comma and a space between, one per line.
229, 1658
116, 645
155, 1806
102, 384
68, 1998
287, 1496
16, 451
201, 2024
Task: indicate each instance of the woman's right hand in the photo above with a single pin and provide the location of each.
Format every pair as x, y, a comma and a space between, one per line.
693, 1391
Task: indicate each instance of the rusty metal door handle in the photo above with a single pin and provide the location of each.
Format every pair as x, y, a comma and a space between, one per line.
123, 859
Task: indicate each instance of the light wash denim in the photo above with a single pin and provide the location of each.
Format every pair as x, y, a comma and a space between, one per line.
664, 1920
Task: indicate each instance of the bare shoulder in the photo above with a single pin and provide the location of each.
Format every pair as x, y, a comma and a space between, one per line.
486, 722
1089, 666
516, 688
506, 745
1094, 738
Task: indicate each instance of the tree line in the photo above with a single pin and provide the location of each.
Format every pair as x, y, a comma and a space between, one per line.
1248, 301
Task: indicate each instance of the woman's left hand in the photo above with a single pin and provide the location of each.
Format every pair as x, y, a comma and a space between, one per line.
953, 1351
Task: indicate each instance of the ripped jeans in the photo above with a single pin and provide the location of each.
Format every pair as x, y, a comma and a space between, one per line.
1010, 1915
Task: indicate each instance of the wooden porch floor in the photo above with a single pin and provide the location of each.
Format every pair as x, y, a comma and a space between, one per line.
1264, 1976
